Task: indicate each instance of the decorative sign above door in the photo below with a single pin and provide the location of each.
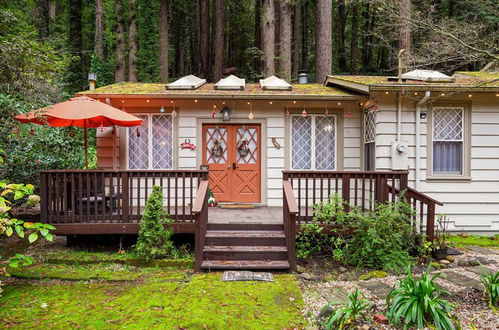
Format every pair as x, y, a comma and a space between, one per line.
187, 145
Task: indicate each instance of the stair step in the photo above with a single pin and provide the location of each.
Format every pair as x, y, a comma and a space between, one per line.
245, 238
211, 252
245, 226
245, 264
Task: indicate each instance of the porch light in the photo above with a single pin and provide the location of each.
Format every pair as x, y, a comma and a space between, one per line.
225, 114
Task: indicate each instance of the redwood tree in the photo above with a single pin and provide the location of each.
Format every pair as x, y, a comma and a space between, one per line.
285, 39
268, 37
163, 39
132, 42
99, 29
404, 38
354, 40
119, 72
219, 39
297, 40
323, 40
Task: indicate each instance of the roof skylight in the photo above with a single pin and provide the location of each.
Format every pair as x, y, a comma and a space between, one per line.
231, 82
274, 83
187, 82
427, 75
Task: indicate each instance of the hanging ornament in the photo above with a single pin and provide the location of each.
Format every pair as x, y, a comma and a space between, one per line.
251, 116
15, 130
137, 132
217, 149
348, 115
71, 134
304, 113
326, 113
174, 113
243, 148
101, 128
162, 109
31, 132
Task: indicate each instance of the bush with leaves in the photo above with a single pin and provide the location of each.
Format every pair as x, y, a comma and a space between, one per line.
346, 316
417, 303
154, 239
490, 281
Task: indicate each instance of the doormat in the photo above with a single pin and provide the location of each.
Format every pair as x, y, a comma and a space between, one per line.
237, 276
237, 206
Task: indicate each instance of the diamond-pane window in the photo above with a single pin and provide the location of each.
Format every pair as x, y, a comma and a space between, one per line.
162, 151
216, 148
313, 142
448, 143
150, 146
138, 145
247, 138
369, 126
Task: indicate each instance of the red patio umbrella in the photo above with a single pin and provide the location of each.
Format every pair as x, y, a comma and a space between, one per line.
81, 111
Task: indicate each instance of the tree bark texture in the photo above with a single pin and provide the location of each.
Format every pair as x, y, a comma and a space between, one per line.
268, 38
285, 40
323, 40
119, 72
132, 42
99, 28
204, 37
404, 40
297, 40
219, 43
342, 20
354, 40
163, 40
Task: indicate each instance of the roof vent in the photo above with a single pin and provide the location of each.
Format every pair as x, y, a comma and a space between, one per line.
231, 82
274, 83
187, 82
428, 76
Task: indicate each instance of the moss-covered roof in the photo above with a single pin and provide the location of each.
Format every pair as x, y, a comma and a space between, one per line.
463, 80
208, 90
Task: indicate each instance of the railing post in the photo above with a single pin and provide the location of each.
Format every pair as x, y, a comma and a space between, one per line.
125, 184
403, 185
292, 241
345, 191
43, 197
430, 222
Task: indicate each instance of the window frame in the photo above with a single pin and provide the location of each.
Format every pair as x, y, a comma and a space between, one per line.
313, 138
466, 143
364, 159
150, 141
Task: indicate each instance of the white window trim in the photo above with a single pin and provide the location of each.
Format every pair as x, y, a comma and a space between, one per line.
433, 140
149, 141
313, 116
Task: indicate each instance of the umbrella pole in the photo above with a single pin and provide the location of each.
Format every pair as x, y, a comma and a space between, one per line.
85, 138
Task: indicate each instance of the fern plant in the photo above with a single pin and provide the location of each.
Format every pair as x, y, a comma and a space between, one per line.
490, 282
347, 315
418, 304
154, 239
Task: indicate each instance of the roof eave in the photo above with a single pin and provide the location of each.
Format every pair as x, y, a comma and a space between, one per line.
403, 88
356, 87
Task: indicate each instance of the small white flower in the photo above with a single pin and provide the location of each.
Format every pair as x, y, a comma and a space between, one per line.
44, 305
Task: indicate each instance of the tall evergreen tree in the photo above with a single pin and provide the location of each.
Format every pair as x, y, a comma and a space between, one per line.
323, 40
268, 37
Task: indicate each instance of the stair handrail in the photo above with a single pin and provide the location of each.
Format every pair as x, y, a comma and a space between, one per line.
200, 211
290, 211
425, 199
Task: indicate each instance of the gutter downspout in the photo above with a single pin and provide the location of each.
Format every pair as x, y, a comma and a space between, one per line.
399, 117
417, 174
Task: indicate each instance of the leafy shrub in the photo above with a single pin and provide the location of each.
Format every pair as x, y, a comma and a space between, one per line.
418, 304
491, 286
154, 239
347, 315
379, 239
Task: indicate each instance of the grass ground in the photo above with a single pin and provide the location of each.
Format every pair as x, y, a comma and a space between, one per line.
108, 295
467, 240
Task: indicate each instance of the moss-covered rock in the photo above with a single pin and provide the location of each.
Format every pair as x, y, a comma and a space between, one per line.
373, 274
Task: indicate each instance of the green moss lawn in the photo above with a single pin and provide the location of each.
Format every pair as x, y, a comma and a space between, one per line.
99, 296
467, 240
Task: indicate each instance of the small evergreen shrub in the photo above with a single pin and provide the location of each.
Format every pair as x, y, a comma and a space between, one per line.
154, 239
418, 304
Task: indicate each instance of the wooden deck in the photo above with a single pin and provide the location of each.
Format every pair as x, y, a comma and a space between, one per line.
111, 202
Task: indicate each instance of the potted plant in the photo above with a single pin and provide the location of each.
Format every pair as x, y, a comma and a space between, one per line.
440, 243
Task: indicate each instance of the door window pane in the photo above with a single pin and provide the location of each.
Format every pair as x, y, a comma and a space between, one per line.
247, 145
216, 145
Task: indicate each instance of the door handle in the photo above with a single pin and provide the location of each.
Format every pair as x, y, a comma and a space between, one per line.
234, 166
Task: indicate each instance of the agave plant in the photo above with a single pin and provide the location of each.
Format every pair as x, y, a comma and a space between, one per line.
346, 315
418, 304
491, 286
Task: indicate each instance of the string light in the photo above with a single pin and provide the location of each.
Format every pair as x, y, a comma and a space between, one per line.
386, 93
196, 101
174, 113
147, 100
122, 101
270, 102
469, 95
497, 94
339, 103
294, 102
415, 93
443, 94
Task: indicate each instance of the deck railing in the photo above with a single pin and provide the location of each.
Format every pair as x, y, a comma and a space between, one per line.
360, 189
200, 211
115, 197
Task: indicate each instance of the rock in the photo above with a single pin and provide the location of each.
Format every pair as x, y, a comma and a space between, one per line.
435, 265
474, 262
300, 269
342, 269
463, 263
482, 260
451, 258
311, 328
444, 262
373, 274
380, 318
365, 327
324, 314
306, 276
348, 276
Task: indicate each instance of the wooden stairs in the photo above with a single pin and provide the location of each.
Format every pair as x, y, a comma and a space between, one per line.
245, 246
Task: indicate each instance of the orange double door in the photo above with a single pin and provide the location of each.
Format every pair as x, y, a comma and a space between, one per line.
232, 153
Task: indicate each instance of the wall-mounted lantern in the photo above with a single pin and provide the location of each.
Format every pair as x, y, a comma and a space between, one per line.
225, 114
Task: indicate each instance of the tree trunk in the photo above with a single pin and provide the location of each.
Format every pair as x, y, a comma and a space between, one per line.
342, 19
285, 40
268, 38
204, 37
258, 33
76, 70
99, 29
354, 41
297, 44
366, 49
163, 40
119, 72
323, 40
132, 42
404, 40
219, 42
